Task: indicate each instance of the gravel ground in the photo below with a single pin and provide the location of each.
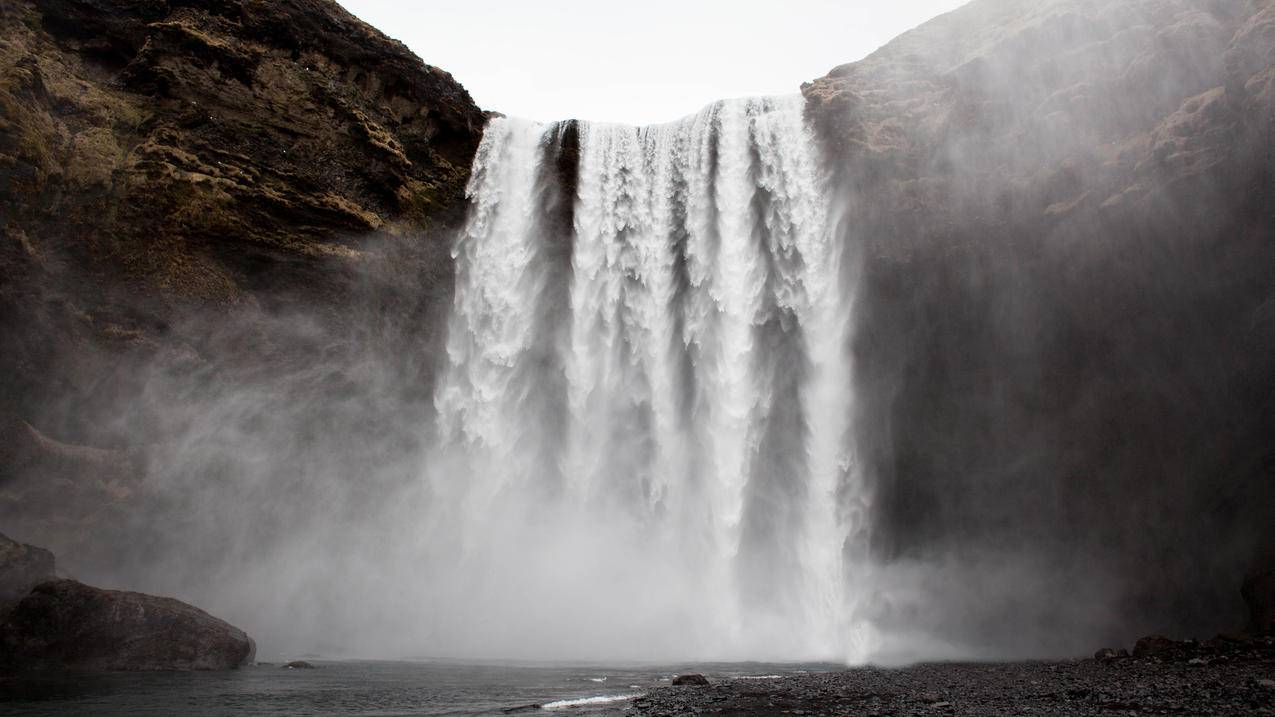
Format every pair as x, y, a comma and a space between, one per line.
1239, 682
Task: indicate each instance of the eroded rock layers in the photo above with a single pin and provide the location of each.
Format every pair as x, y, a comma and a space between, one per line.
1064, 331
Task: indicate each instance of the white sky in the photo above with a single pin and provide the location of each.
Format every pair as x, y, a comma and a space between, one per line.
639, 61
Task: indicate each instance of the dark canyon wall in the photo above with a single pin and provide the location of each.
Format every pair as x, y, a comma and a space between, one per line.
202, 202
1065, 344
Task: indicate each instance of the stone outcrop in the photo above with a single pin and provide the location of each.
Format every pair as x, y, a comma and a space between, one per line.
63, 624
203, 200
1064, 345
22, 567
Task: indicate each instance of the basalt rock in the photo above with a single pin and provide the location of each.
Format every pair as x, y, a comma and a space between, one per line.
63, 624
690, 680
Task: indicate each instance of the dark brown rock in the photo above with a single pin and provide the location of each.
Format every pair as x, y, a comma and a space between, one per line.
22, 567
1108, 654
63, 624
690, 680
181, 182
1161, 647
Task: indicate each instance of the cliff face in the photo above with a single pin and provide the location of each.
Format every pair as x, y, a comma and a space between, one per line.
201, 198
1064, 340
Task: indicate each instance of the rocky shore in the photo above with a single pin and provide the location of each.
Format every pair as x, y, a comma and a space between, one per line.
1222, 677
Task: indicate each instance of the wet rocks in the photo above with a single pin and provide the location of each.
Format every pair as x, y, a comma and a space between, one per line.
1108, 654
1224, 648
690, 680
1076, 688
1159, 646
297, 665
64, 624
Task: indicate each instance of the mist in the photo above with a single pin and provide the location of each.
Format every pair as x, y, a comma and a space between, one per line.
1061, 396
962, 354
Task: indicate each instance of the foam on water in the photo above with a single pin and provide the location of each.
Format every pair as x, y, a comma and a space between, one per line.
589, 701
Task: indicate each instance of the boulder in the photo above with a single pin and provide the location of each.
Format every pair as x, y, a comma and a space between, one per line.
297, 665
22, 567
64, 624
1108, 654
1259, 594
691, 680
1160, 647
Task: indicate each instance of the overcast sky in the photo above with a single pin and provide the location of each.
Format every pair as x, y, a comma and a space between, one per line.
640, 61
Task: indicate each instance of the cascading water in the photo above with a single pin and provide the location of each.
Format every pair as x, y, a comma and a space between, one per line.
642, 425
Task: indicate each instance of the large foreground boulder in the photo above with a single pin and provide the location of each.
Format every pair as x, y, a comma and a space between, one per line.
22, 567
64, 624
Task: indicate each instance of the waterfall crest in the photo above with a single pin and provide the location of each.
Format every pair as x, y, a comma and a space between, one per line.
642, 422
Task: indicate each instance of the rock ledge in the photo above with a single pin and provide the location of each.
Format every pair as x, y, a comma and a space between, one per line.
64, 624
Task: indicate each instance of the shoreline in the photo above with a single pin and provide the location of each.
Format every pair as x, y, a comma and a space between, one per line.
1240, 681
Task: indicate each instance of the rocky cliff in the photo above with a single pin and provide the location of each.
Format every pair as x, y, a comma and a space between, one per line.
1065, 330
203, 199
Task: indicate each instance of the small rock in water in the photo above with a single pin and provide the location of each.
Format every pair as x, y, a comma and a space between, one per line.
691, 680
298, 665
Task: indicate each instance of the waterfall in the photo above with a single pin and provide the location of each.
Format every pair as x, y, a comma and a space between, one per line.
642, 422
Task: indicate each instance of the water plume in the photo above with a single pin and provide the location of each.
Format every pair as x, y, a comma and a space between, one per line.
641, 421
